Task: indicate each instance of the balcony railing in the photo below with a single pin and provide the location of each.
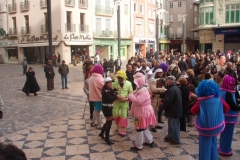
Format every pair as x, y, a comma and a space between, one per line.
179, 35
103, 10
83, 3
24, 6
70, 3
103, 33
83, 28
43, 3
12, 8
171, 35
25, 30
44, 29
70, 27
13, 32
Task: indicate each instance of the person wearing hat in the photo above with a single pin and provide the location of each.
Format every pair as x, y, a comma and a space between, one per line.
120, 106
49, 73
172, 105
63, 70
108, 97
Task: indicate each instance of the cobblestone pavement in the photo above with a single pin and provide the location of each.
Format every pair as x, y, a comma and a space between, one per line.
50, 126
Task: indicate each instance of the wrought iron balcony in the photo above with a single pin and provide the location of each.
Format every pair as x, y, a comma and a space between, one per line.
24, 6
83, 28
43, 3
179, 35
103, 33
25, 30
83, 3
70, 27
44, 29
13, 32
70, 3
12, 8
103, 10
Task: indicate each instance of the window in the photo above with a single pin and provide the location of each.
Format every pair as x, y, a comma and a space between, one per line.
171, 5
139, 27
153, 1
151, 27
141, 9
99, 26
167, 18
195, 20
179, 4
108, 24
149, 13
107, 3
126, 9
195, 8
135, 7
179, 17
171, 18
179, 32
190, 6
171, 35
166, 4
195, 34
149, 1
206, 16
233, 13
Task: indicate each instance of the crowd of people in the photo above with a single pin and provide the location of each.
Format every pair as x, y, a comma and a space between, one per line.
174, 85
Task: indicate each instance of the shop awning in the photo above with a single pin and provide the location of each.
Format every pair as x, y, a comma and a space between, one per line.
37, 44
164, 41
68, 43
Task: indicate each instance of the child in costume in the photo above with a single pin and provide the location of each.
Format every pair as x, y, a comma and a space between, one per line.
108, 97
210, 118
120, 106
231, 117
143, 113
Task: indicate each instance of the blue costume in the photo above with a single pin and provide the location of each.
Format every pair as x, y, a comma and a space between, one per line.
231, 117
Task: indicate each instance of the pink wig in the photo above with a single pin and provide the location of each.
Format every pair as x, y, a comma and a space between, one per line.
228, 83
97, 69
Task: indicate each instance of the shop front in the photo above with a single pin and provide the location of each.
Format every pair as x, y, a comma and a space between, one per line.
35, 48
109, 47
142, 45
9, 51
206, 40
164, 45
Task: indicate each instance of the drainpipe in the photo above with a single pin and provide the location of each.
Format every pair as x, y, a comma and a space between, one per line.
7, 16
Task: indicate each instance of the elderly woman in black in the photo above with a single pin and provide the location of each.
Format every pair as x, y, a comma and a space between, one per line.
31, 85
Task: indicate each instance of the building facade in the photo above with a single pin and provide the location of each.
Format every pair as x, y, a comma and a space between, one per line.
177, 10
219, 27
26, 32
144, 23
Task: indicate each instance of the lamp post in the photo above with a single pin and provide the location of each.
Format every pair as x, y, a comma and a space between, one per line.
118, 26
184, 33
49, 15
157, 28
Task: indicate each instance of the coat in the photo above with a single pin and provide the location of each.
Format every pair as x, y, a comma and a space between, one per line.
31, 85
49, 71
95, 87
63, 69
185, 99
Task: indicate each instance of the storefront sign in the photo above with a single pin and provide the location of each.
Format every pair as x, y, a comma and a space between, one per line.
144, 40
34, 39
227, 31
78, 37
8, 43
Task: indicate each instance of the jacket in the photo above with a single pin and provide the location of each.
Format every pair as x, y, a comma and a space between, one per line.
49, 72
172, 103
95, 87
183, 66
108, 95
63, 69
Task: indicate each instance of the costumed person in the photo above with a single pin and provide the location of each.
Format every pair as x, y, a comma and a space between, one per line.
96, 83
231, 117
120, 106
108, 97
31, 85
143, 113
164, 68
210, 118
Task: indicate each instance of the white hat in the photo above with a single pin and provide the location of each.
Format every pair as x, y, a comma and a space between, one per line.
150, 72
158, 70
108, 79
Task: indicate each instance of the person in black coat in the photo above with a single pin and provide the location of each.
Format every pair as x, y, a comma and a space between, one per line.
182, 64
105, 67
185, 102
49, 73
31, 85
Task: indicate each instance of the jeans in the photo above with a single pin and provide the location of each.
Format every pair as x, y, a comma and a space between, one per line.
174, 129
64, 80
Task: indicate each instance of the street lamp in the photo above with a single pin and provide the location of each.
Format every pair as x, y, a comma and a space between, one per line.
184, 33
118, 26
157, 27
49, 14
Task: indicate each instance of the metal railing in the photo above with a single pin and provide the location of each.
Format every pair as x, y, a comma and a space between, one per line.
70, 3
83, 3
24, 6
83, 28
26, 30
70, 27
179, 35
103, 10
44, 29
103, 33
43, 3
13, 31
12, 8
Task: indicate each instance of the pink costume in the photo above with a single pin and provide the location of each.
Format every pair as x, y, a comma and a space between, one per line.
142, 111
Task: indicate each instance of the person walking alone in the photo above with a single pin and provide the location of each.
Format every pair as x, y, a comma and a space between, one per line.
24, 64
63, 70
31, 85
49, 73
